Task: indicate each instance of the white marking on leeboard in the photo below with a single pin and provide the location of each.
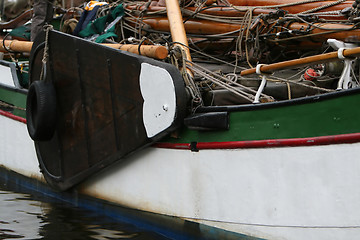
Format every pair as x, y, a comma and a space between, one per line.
158, 91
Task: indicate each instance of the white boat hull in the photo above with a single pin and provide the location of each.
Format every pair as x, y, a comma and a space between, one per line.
274, 193
17, 149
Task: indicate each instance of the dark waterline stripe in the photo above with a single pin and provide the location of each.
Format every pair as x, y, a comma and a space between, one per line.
168, 226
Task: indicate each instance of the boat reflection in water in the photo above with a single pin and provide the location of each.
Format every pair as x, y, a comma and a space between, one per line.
24, 216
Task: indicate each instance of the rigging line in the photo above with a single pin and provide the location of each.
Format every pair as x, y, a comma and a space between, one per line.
238, 45
188, 78
250, 89
45, 57
221, 19
335, 13
213, 58
302, 36
209, 37
304, 85
247, 37
301, 19
222, 34
206, 73
209, 73
4, 104
223, 78
224, 85
133, 19
323, 7
197, 10
336, 29
208, 16
11, 52
275, 77
283, 5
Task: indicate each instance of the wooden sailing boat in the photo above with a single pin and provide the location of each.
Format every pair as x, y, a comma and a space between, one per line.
262, 136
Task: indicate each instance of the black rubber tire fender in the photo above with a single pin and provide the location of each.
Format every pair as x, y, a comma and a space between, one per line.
41, 110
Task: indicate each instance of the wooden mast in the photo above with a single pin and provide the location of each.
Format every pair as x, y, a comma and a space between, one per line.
176, 25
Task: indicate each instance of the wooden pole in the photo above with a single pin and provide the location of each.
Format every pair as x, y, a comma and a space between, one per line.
320, 31
15, 45
176, 25
214, 10
276, 3
316, 59
153, 51
196, 26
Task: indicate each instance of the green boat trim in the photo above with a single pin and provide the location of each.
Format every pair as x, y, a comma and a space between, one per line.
328, 114
13, 100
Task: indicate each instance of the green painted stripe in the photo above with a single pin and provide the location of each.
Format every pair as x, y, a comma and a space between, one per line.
321, 118
16, 98
312, 119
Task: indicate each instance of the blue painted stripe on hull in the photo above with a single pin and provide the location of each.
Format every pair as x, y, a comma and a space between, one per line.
171, 227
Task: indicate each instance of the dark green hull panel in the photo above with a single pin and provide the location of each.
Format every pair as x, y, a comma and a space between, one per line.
331, 114
13, 100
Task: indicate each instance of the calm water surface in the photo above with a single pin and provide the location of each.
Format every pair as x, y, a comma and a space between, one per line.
25, 216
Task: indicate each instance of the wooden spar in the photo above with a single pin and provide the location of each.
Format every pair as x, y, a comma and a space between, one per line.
152, 51
214, 10
278, 2
157, 52
268, 2
176, 26
322, 31
309, 6
239, 11
194, 26
316, 59
15, 45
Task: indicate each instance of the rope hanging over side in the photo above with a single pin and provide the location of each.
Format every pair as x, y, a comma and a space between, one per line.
45, 58
178, 59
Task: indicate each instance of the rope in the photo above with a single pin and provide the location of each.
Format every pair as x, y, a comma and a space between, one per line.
222, 82
302, 84
309, 35
322, 7
4, 104
285, 5
206, 74
11, 53
183, 68
226, 86
45, 58
242, 45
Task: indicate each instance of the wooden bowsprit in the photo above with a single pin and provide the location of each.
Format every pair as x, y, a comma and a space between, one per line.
109, 104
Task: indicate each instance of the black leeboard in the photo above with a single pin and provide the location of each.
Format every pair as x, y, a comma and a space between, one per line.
99, 106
